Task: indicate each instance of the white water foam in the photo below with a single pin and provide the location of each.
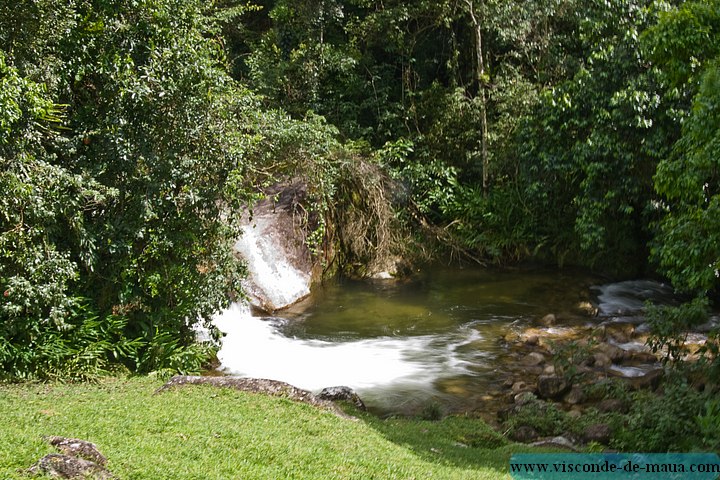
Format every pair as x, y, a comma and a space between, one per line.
254, 347
629, 297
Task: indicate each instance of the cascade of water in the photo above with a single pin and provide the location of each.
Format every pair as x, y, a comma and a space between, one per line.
254, 347
273, 282
629, 297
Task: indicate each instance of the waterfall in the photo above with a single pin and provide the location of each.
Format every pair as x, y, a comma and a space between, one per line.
273, 281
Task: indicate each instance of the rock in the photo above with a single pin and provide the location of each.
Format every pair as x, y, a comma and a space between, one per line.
548, 320
574, 396
66, 466
649, 381
552, 386
384, 275
643, 357
601, 360
524, 398
574, 414
533, 359
531, 340
587, 308
273, 388
511, 337
621, 332
342, 393
599, 432
519, 387
615, 354
74, 447
524, 434
280, 264
610, 405
560, 442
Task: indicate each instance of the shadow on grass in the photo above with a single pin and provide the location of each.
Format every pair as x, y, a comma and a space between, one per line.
460, 441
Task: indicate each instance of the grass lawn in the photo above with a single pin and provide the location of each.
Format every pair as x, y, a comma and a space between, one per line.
202, 432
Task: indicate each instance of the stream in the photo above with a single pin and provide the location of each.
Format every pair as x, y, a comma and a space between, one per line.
436, 339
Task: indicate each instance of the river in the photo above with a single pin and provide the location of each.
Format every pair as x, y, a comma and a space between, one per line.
436, 339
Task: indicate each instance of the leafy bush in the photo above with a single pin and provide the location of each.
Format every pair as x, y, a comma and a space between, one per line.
123, 145
665, 423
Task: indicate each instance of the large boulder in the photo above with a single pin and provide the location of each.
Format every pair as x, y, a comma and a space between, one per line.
272, 244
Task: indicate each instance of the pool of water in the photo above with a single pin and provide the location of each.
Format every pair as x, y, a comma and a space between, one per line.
403, 345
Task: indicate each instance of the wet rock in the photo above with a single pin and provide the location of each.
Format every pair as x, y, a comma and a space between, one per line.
552, 386
619, 331
612, 405
519, 387
74, 447
531, 340
601, 360
615, 354
642, 357
66, 466
524, 434
548, 320
533, 359
281, 266
649, 381
534, 371
587, 308
574, 396
599, 432
342, 393
512, 337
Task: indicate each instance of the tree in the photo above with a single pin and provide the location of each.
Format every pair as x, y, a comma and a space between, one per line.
128, 197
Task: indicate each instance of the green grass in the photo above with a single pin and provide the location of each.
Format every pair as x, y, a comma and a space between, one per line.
202, 432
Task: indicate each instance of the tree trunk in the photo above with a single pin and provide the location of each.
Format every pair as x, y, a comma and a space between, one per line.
481, 79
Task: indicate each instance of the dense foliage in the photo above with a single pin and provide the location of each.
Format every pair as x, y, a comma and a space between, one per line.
123, 145
574, 131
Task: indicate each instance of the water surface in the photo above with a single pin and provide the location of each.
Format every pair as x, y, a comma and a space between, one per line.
403, 345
